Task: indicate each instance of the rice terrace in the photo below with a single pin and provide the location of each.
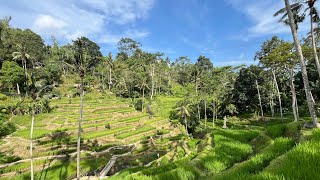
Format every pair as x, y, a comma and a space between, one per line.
159, 90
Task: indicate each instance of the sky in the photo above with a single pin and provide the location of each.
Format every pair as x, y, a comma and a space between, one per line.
229, 32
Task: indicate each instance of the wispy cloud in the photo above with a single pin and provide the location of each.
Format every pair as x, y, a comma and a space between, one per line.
70, 19
242, 59
261, 15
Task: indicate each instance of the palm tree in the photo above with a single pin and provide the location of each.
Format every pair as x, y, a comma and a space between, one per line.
184, 113
109, 63
302, 63
313, 13
299, 17
144, 85
79, 60
4, 25
22, 55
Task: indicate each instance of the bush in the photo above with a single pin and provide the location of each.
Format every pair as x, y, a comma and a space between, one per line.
3, 97
138, 105
6, 128
275, 131
293, 130
107, 126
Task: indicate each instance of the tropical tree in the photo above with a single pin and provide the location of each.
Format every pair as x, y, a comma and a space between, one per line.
302, 64
86, 56
22, 55
264, 58
11, 75
184, 114
298, 16
109, 62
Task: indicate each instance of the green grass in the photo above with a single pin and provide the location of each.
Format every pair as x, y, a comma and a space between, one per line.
229, 147
302, 162
8, 158
258, 162
21, 166
277, 130
135, 132
64, 169
37, 133
106, 132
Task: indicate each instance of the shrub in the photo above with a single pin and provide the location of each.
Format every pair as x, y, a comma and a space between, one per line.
107, 126
293, 129
275, 131
3, 97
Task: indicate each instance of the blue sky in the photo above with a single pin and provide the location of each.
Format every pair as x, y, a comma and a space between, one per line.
229, 32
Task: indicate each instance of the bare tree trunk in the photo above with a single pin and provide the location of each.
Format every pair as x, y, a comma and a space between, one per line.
313, 43
302, 64
185, 123
79, 130
213, 113
272, 103
278, 93
205, 112
142, 99
18, 90
216, 110
259, 98
294, 96
110, 78
198, 107
31, 141
152, 82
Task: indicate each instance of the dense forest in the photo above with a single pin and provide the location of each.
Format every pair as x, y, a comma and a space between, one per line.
156, 117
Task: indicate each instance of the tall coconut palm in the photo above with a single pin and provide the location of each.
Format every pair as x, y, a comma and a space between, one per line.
184, 113
313, 13
79, 60
22, 55
302, 63
109, 64
299, 16
143, 86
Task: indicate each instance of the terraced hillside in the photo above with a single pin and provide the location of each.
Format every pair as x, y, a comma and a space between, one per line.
248, 150
108, 122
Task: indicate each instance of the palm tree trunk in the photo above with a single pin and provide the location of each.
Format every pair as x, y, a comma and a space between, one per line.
213, 114
142, 100
152, 82
79, 130
185, 123
31, 141
110, 78
302, 65
272, 103
205, 113
18, 90
278, 93
259, 98
313, 42
198, 107
216, 112
294, 97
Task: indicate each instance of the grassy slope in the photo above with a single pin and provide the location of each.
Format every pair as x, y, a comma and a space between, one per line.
99, 111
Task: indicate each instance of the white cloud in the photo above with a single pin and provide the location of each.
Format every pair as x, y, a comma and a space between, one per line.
261, 15
242, 59
70, 19
110, 38
46, 24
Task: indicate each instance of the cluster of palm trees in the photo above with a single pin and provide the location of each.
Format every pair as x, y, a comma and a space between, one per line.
294, 17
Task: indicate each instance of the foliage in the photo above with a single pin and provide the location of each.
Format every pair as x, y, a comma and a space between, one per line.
277, 130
